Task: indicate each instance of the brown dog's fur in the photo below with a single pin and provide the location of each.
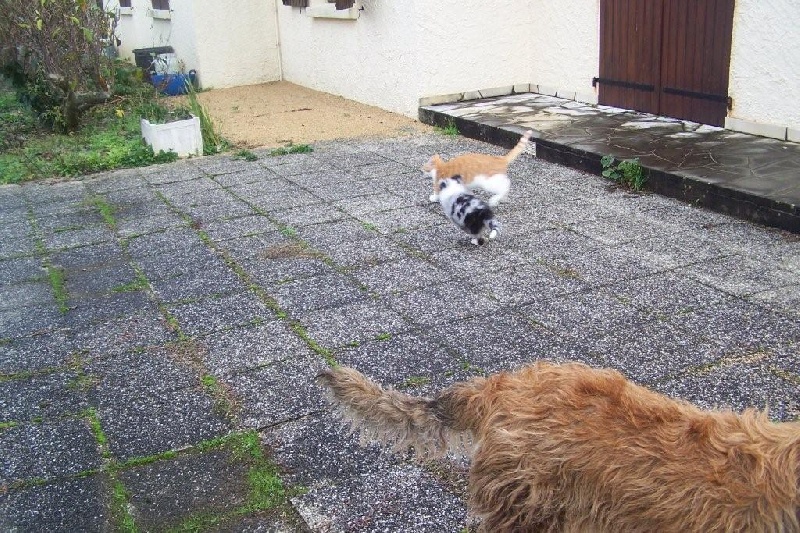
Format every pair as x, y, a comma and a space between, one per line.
571, 448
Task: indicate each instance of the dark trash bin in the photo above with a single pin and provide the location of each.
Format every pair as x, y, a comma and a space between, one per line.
145, 57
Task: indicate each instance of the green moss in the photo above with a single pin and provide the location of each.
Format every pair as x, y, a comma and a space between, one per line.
56, 277
292, 149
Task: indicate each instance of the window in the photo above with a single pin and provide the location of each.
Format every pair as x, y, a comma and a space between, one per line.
124, 3
160, 4
339, 4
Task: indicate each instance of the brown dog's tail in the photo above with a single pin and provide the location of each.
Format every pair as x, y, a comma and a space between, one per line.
431, 426
519, 148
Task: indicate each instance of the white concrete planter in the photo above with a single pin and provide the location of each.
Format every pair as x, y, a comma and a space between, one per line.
182, 136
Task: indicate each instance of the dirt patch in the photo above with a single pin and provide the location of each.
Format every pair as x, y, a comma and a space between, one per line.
276, 114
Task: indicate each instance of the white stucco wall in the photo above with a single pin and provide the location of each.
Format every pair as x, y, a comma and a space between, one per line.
765, 65
370, 60
137, 28
469, 45
399, 52
565, 47
228, 42
237, 42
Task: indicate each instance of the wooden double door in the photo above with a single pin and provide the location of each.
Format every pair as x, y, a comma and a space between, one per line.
667, 57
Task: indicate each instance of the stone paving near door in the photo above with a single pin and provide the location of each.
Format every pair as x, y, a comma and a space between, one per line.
160, 328
751, 177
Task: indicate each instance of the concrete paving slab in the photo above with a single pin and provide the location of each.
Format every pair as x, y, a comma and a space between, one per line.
154, 369
239, 350
105, 279
214, 279
22, 321
13, 271
52, 396
18, 240
279, 392
168, 493
436, 304
366, 253
416, 361
321, 292
140, 422
667, 293
36, 352
401, 276
86, 257
352, 487
352, 324
220, 312
145, 328
285, 263
80, 217
654, 351
161, 264
736, 324
593, 312
26, 294
105, 307
74, 505
528, 283
83, 236
738, 387
46, 450
670, 294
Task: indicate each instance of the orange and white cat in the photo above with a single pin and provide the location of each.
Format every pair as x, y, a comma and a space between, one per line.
478, 171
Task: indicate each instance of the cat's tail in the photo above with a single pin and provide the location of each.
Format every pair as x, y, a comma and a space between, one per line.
431, 426
519, 148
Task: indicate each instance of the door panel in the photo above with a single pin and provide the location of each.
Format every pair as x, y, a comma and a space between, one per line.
669, 57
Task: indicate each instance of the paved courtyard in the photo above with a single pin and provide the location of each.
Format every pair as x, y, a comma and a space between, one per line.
160, 328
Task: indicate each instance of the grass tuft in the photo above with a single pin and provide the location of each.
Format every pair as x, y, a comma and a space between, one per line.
292, 149
449, 129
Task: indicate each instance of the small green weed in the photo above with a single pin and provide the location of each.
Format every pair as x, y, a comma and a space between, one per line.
383, 337
8, 425
56, 276
247, 155
288, 231
369, 226
627, 172
324, 352
416, 381
448, 129
83, 382
292, 149
119, 506
138, 284
146, 460
266, 489
210, 382
105, 208
469, 367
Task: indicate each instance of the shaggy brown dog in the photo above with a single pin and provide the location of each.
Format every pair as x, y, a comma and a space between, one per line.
571, 448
